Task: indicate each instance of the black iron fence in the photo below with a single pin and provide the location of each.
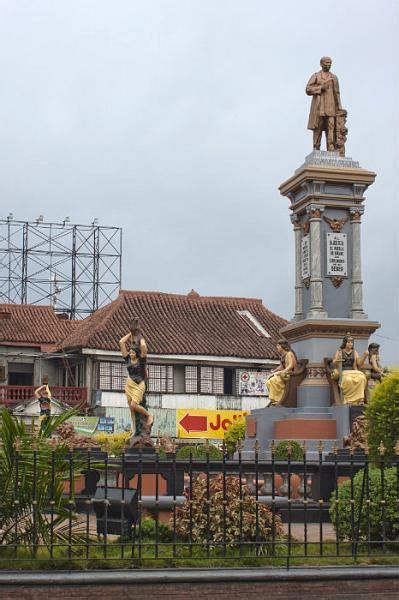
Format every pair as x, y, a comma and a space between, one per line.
87, 508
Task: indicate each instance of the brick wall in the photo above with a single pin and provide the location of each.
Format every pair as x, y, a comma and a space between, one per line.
350, 589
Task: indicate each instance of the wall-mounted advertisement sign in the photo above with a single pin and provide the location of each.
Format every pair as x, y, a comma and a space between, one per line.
252, 383
211, 424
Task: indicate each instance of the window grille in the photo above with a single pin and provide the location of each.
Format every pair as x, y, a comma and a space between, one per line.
206, 380
111, 375
191, 380
211, 380
160, 378
218, 380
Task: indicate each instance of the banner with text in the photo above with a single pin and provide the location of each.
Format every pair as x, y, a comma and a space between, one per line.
211, 424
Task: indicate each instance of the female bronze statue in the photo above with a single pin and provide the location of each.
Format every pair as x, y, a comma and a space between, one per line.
280, 376
352, 381
43, 394
136, 362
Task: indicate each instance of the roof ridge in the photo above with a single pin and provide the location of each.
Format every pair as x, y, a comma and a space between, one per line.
188, 296
14, 305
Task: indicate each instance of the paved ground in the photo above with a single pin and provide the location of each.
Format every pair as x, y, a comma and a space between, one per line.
313, 531
297, 530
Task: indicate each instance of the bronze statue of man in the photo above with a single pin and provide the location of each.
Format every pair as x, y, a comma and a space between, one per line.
326, 105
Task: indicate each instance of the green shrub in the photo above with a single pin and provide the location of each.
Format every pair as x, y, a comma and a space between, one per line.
113, 443
149, 530
382, 417
216, 519
375, 513
281, 452
234, 435
200, 451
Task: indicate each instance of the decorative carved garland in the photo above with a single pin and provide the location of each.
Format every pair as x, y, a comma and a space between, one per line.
335, 224
306, 282
336, 281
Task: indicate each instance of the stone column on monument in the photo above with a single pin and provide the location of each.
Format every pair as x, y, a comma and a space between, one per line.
316, 310
357, 283
298, 268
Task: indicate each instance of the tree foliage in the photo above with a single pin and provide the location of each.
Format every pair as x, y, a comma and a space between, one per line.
382, 418
33, 507
234, 435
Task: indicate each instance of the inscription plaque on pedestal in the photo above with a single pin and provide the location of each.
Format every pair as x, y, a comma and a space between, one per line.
305, 257
337, 255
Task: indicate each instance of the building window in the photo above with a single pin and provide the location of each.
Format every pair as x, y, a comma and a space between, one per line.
160, 378
205, 380
20, 373
111, 376
218, 380
229, 387
191, 380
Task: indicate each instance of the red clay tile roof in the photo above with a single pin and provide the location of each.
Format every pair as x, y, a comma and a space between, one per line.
178, 324
32, 325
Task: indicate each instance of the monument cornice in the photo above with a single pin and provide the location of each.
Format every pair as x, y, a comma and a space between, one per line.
327, 174
326, 200
328, 328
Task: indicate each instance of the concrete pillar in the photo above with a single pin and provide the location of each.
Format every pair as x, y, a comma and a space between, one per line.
298, 275
316, 310
357, 283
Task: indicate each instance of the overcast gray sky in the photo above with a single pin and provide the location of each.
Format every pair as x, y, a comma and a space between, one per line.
178, 120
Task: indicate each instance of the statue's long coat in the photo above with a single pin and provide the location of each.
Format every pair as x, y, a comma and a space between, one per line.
313, 88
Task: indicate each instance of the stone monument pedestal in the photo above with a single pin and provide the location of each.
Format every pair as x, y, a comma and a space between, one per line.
327, 202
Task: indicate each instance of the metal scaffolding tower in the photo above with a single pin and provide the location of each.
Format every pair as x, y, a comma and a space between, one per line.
76, 268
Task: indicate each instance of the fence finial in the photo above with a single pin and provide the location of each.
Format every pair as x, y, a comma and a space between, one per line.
158, 443
224, 447
381, 448
352, 448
